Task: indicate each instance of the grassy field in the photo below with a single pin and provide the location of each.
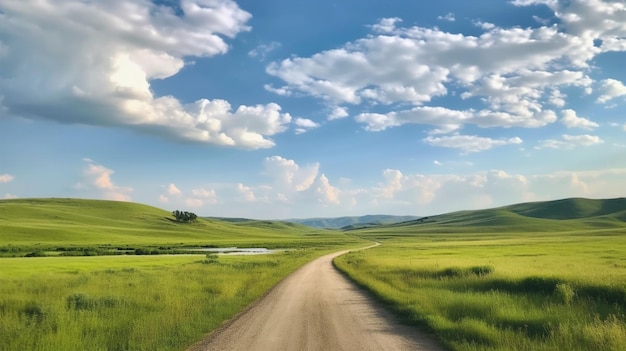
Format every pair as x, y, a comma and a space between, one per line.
548, 276
133, 302
91, 227
130, 302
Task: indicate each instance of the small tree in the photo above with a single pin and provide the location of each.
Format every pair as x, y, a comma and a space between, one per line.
184, 216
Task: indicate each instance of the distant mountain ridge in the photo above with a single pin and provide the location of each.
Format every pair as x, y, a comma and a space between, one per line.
347, 222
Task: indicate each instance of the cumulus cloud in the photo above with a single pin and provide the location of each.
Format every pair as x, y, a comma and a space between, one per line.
326, 192
5, 178
469, 143
570, 141
517, 73
611, 89
306, 189
446, 120
571, 120
208, 196
304, 125
338, 112
92, 63
97, 178
9, 196
431, 194
172, 189
245, 193
288, 176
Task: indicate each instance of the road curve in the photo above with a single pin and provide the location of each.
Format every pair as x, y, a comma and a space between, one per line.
316, 308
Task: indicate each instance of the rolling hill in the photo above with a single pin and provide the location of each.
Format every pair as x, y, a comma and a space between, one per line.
98, 222
558, 215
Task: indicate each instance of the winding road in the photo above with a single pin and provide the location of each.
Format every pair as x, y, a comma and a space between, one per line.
316, 308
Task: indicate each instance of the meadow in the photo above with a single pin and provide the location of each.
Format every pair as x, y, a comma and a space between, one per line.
70, 227
483, 281
110, 298
163, 302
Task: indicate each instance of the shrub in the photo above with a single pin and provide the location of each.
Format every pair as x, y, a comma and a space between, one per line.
33, 311
565, 293
36, 253
210, 258
481, 270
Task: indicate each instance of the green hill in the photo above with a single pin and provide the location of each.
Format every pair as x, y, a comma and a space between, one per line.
559, 215
574, 208
48, 222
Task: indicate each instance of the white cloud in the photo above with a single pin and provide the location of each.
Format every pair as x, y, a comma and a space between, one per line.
515, 72
207, 196
297, 191
448, 17
469, 143
584, 140
92, 63
5, 178
288, 176
570, 141
172, 189
245, 193
326, 192
163, 199
338, 112
98, 178
202, 192
611, 89
263, 50
9, 196
304, 124
571, 120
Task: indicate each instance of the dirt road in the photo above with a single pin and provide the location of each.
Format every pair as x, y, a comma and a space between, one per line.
315, 308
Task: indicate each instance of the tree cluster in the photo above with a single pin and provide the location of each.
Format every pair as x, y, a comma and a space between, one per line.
184, 216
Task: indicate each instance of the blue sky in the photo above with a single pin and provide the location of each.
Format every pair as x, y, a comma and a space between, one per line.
285, 109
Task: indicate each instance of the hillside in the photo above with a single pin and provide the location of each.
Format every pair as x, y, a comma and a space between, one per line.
98, 222
559, 215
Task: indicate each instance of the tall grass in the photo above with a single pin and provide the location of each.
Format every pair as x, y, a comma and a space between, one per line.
129, 302
504, 292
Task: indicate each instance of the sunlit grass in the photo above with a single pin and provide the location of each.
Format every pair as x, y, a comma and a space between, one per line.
476, 291
126, 301
130, 302
95, 227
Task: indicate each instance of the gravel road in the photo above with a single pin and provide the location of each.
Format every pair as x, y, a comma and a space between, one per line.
316, 308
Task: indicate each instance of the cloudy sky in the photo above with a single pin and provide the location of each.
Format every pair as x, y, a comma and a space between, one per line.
283, 109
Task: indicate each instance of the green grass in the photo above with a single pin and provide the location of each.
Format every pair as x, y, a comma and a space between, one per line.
126, 301
480, 284
100, 227
130, 302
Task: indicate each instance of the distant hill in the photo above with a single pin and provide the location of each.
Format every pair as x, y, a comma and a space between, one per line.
98, 222
352, 222
562, 215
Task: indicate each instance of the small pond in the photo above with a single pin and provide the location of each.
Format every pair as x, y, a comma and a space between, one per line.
237, 250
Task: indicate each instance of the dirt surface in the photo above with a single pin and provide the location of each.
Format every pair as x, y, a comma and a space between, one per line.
316, 308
